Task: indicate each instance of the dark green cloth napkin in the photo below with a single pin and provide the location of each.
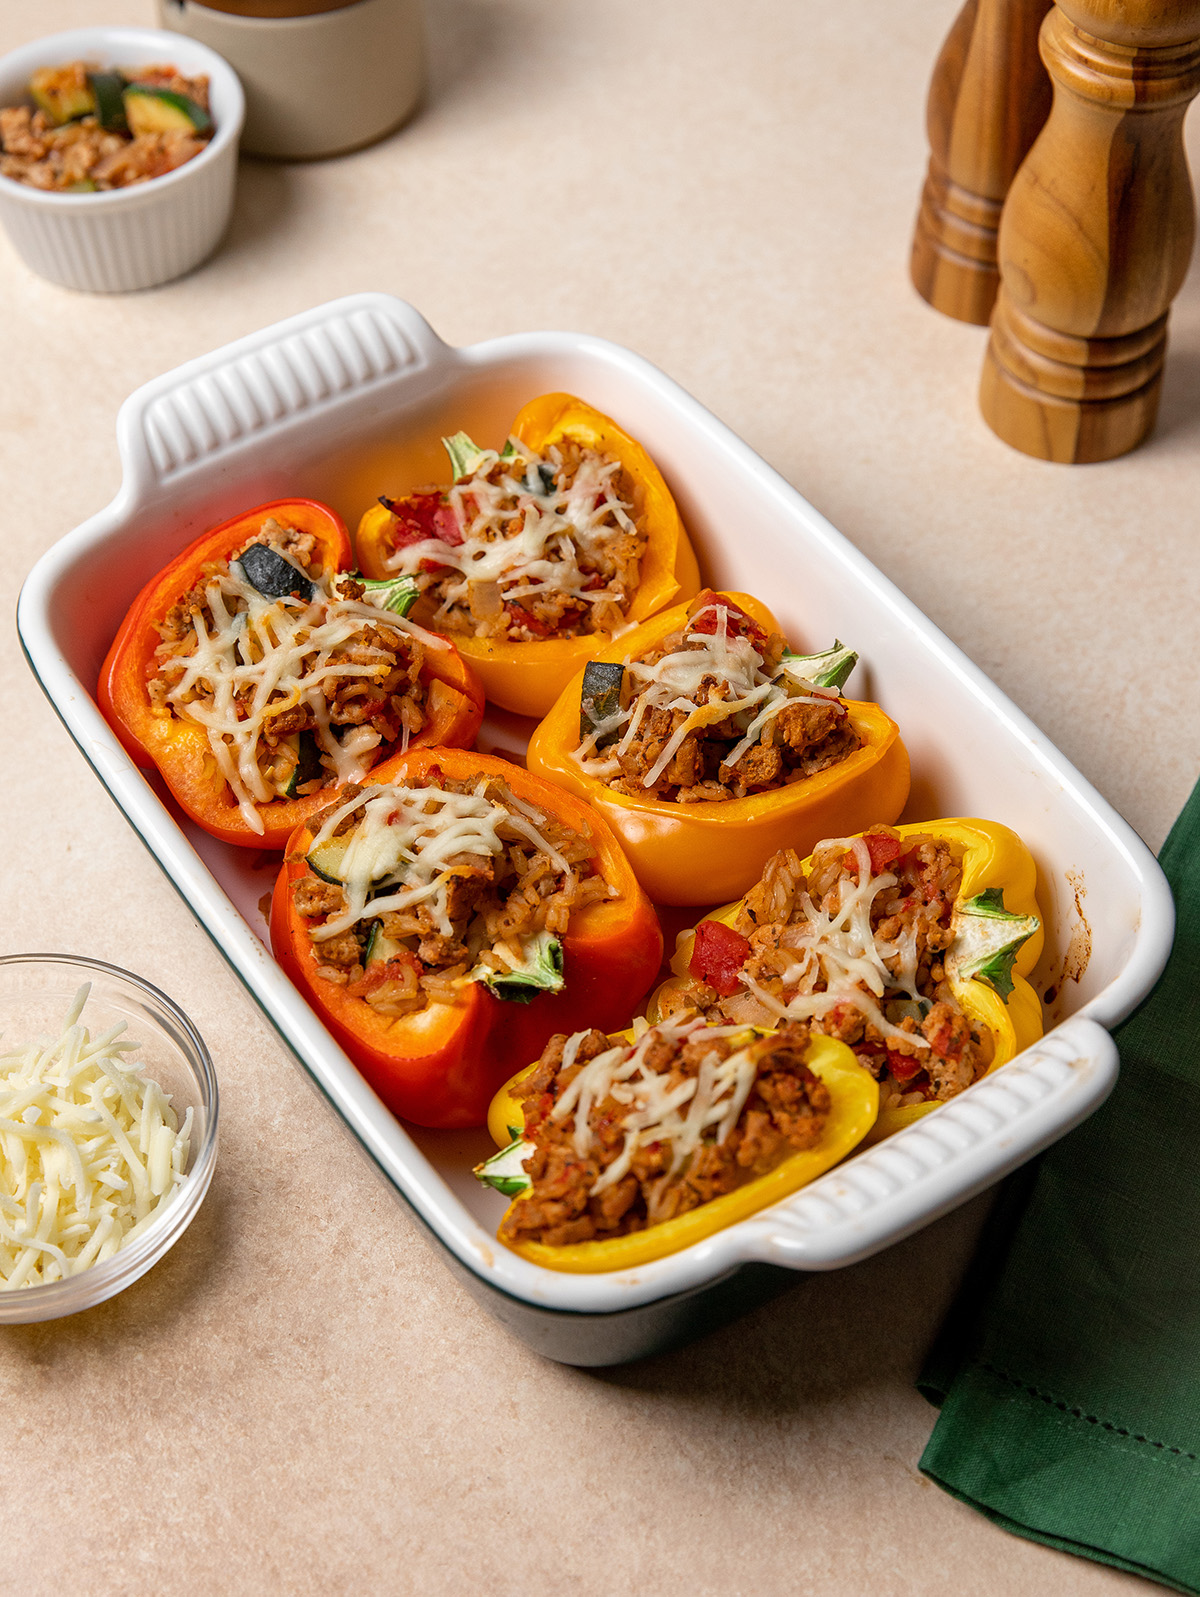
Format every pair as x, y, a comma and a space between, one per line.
1068, 1372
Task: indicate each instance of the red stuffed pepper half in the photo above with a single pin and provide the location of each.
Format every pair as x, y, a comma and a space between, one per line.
445, 923
256, 669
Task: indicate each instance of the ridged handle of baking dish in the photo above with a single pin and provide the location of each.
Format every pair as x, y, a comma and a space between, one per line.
892, 1189
264, 384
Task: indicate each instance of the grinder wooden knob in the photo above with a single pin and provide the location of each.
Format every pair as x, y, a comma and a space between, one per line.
1096, 233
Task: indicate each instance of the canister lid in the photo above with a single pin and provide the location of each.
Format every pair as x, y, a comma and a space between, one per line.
274, 8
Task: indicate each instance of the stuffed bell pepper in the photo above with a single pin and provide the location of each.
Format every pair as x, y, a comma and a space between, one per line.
911, 944
707, 745
445, 923
536, 555
619, 1150
255, 669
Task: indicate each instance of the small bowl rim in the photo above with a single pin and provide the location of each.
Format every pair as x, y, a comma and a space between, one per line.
52, 1299
109, 37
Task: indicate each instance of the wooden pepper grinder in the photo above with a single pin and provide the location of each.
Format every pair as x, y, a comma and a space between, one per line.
1096, 233
988, 99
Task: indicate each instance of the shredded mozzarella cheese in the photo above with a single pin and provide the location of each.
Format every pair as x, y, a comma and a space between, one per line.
678, 1114
403, 839
90, 1151
524, 531
738, 687
264, 656
839, 959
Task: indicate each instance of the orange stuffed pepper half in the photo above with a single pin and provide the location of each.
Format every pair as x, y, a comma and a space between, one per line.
255, 669
707, 744
911, 944
537, 553
445, 923
619, 1150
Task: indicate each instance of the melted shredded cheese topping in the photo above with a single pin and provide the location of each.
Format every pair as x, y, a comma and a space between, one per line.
405, 837
264, 656
90, 1151
737, 687
523, 531
679, 1114
838, 959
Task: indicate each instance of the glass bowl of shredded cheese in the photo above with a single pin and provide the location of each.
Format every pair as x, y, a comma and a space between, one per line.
108, 1131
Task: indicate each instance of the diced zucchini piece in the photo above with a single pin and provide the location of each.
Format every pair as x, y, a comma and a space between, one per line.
266, 569
326, 861
542, 972
154, 110
986, 939
511, 449
62, 93
829, 669
505, 1170
308, 767
380, 948
600, 698
83, 186
392, 593
540, 480
108, 91
465, 455
899, 1009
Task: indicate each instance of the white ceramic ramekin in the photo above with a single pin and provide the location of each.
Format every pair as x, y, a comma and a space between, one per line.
129, 238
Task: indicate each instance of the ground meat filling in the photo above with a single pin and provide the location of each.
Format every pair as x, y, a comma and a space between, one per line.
620, 1170
799, 947
80, 156
715, 712
416, 922
293, 692
527, 547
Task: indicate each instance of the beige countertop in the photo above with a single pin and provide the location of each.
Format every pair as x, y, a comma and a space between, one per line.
300, 1398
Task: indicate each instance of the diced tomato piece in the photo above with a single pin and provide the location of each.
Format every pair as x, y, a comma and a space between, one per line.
945, 1044
737, 623
883, 849
383, 971
903, 1066
718, 955
527, 619
423, 516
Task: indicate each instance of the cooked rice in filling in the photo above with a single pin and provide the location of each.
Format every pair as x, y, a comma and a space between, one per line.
293, 692
855, 948
444, 882
629, 1135
528, 546
716, 711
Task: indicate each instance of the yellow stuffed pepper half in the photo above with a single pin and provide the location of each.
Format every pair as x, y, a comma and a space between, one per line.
911, 943
537, 553
707, 744
618, 1150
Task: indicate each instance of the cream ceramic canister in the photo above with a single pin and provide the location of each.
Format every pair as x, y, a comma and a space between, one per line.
321, 76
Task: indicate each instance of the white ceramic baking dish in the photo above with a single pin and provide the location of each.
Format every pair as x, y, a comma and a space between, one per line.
351, 399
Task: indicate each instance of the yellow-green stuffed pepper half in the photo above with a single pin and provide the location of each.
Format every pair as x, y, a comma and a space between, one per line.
992, 934
841, 1094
